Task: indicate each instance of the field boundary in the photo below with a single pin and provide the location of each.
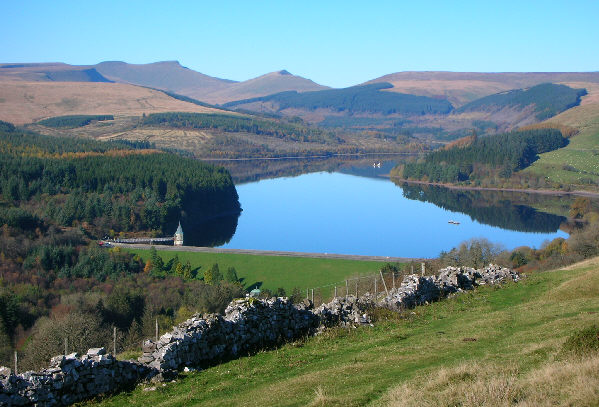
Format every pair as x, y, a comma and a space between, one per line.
269, 253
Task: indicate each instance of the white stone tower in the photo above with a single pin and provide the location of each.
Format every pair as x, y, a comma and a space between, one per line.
179, 236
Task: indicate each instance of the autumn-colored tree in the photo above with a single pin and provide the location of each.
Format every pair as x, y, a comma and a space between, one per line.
180, 270
580, 207
187, 271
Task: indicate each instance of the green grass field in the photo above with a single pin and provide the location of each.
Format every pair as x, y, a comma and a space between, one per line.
494, 346
273, 272
582, 154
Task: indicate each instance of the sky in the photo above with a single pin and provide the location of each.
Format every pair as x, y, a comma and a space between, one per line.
335, 43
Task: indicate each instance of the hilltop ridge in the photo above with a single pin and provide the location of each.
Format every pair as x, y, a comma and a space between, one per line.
463, 87
166, 75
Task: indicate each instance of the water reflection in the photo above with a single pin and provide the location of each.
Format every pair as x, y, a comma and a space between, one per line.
347, 205
251, 170
507, 210
210, 233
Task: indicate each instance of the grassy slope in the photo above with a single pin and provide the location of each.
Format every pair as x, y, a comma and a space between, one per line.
583, 151
26, 102
520, 327
275, 272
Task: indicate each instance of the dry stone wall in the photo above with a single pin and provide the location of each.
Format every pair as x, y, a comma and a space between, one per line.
247, 325
416, 290
69, 379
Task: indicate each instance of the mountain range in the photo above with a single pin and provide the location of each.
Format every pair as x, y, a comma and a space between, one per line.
396, 108
458, 88
168, 75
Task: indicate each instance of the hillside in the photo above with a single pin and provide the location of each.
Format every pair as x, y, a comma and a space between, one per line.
50, 72
167, 75
486, 161
548, 99
576, 164
268, 84
463, 87
172, 76
26, 102
488, 347
432, 113
355, 99
404, 104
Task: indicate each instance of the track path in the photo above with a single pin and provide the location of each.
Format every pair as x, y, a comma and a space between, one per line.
268, 253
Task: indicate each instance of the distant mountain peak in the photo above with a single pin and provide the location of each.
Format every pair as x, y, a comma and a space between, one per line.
284, 72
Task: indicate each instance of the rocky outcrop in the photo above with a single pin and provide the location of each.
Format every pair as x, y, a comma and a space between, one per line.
248, 325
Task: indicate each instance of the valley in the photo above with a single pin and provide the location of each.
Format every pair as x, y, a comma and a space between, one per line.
359, 204
113, 151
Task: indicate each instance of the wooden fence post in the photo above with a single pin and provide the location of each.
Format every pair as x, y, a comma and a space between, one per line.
393, 279
375, 290
357, 281
114, 341
307, 296
346, 289
422, 265
312, 296
384, 283
335, 291
156, 329
66, 346
16, 363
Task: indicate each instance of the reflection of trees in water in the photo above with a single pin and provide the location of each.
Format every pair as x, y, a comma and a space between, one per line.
203, 231
244, 171
495, 208
211, 233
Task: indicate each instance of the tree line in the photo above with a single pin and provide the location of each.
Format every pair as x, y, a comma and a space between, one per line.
236, 124
500, 155
365, 98
548, 100
123, 188
73, 121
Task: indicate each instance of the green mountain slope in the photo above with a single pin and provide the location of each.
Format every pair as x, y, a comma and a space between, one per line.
355, 99
548, 99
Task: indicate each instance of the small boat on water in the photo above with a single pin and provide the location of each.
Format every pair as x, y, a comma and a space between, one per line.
453, 222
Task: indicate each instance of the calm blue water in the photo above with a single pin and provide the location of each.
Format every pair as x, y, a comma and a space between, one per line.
346, 214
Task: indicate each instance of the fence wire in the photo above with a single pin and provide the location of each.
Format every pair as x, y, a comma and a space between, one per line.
376, 284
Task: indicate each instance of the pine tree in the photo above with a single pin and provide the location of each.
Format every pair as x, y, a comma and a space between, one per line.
187, 271
231, 275
217, 276
157, 262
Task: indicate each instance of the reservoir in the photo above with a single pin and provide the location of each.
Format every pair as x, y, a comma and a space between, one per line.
351, 208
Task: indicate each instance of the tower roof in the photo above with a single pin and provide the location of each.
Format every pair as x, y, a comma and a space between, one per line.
179, 230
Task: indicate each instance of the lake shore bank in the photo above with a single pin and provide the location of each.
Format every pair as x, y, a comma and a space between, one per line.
587, 194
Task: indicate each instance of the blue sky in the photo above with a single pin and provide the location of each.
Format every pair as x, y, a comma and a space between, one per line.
336, 43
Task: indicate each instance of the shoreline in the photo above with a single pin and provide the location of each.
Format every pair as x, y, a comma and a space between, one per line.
587, 194
302, 157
